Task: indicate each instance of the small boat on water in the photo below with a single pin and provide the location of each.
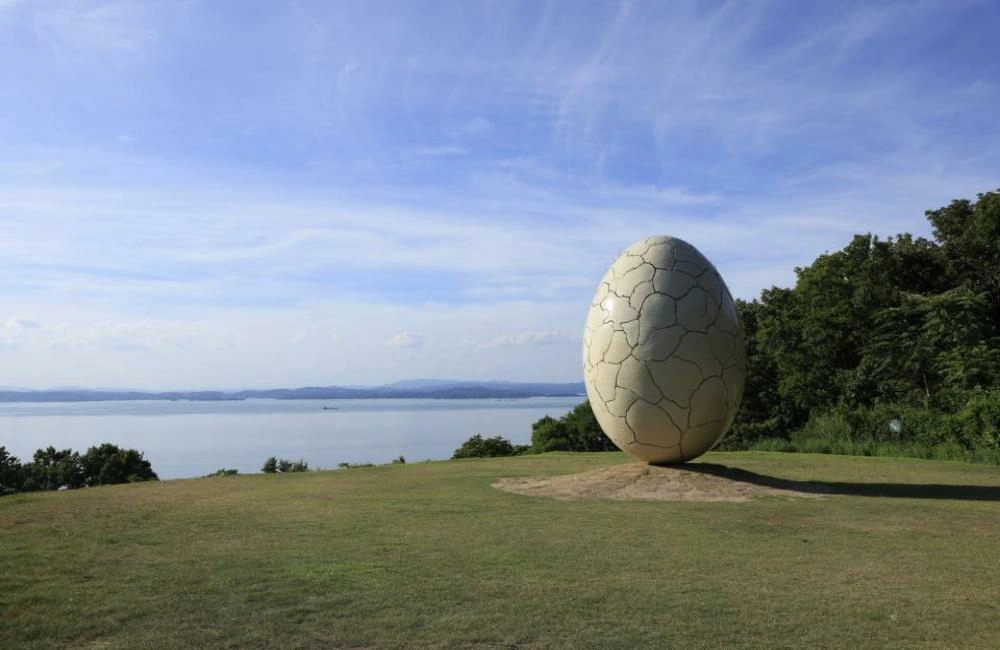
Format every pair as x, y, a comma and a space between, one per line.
329, 408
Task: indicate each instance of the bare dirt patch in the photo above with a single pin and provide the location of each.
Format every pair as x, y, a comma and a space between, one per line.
644, 482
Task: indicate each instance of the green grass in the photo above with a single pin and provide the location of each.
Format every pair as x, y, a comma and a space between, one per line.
428, 555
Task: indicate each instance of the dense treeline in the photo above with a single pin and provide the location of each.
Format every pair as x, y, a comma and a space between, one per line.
52, 469
884, 347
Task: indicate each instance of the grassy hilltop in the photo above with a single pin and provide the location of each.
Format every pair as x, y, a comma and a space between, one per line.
430, 555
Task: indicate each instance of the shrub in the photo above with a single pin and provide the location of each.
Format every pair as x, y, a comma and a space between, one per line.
578, 430
223, 472
479, 447
902, 430
979, 420
270, 465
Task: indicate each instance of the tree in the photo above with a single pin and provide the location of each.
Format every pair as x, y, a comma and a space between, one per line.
109, 464
11, 473
51, 469
282, 466
578, 430
969, 234
761, 413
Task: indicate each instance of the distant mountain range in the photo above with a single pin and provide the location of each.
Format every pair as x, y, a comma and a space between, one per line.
410, 388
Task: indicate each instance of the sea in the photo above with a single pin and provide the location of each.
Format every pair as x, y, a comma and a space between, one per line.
184, 439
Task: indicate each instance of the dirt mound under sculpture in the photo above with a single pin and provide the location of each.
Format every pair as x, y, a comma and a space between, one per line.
640, 481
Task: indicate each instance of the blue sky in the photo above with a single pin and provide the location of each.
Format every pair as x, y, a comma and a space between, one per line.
226, 194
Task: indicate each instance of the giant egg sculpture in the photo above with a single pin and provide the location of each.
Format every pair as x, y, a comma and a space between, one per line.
663, 353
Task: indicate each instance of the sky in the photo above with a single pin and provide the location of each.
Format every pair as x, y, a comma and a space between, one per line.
228, 194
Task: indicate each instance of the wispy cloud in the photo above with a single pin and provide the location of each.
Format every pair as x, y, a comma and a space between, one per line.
526, 339
466, 172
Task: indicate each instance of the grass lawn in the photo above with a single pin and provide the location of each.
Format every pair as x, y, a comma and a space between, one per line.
904, 554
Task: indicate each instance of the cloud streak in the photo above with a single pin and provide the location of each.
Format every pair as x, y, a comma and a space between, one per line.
466, 172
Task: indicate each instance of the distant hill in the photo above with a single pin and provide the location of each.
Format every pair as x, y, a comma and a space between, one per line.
417, 388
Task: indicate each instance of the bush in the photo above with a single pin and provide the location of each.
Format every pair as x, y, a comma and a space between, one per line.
979, 420
578, 430
901, 430
270, 465
479, 447
399, 461
223, 472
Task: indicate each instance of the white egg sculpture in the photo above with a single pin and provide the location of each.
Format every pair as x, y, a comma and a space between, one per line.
663, 353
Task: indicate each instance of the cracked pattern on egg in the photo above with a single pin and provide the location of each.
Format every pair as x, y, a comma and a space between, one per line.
664, 359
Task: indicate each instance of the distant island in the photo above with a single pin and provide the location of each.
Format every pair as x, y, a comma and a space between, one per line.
408, 389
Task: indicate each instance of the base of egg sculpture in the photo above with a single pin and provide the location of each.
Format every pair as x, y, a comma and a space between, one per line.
663, 353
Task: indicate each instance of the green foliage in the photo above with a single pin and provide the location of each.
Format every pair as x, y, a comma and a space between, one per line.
760, 415
969, 234
11, 472
578, 430
906, 329
109, 464
223, 472
399, 461
479, 447
52, 469
65, 469
283, 466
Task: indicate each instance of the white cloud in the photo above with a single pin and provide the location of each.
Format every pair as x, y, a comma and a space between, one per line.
526, 339
405, 341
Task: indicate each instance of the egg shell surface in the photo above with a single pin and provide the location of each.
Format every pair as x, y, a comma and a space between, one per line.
663, 352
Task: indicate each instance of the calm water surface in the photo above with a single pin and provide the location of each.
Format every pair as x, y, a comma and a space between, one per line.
184, 439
